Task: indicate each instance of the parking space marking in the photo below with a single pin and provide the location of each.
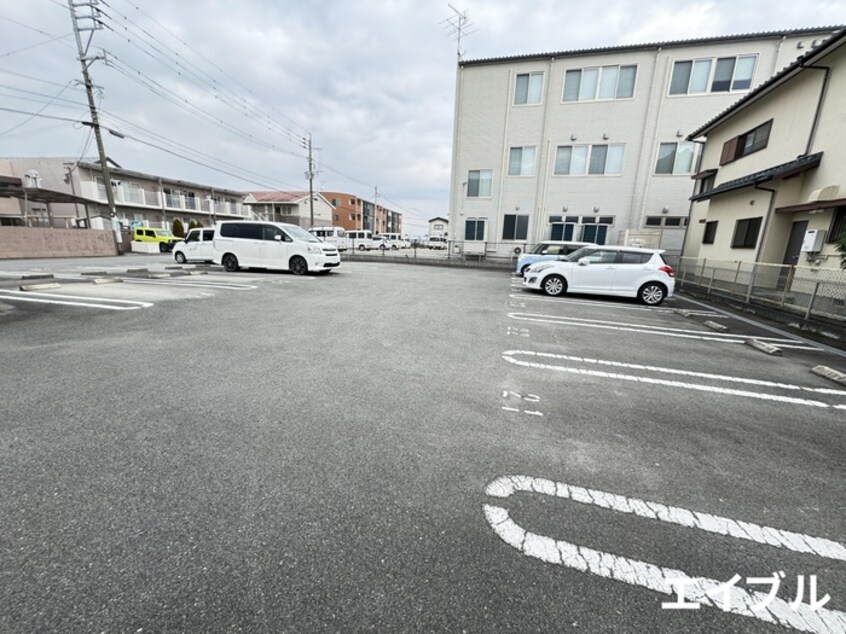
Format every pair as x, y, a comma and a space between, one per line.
510, 356
655, 309
663, 331
73, 300
224, 286
658, 578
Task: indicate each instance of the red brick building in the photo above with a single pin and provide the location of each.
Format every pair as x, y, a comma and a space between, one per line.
352, 212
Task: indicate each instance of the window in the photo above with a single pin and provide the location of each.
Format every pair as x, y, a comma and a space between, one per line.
746, 143
710, 232
515, 227
521, 161
249, 231
628, 257
336, 217
838, 225
723, 74
583, 228
479, 183
665, 221
562, 231
193, 236
474, 229
606, 82
270, 232
335, 202
746, 233
438, 227
208, 235
576, 160
675, 158
528, 89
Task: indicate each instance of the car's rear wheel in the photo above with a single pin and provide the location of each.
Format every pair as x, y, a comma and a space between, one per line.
554, 286
179, 257
230, 263
163, 247
652, 293
361, 247
298, 265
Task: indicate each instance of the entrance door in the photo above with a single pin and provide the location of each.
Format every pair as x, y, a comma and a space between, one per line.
794, 242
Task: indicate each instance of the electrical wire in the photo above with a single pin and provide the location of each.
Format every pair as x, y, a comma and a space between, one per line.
31, 117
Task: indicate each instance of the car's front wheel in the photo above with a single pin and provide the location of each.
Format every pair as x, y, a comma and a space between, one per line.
179, 257
524, 269
298, 265
652, 293
163, 247
554, 286
230, 263
361, 247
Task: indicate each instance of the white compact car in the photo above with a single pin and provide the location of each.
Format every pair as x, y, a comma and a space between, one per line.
272, 245
601, 270
196, 247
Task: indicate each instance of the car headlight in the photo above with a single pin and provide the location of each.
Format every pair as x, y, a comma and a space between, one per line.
537, 268
315, 250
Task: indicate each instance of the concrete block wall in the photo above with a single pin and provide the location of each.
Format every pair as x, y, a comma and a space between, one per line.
37, 242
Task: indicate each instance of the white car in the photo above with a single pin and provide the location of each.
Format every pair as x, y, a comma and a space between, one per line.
196, 247
381, 243
601, 270
437, 242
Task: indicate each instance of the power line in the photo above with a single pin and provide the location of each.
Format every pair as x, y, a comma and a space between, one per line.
17, 74
31, 46
31, 117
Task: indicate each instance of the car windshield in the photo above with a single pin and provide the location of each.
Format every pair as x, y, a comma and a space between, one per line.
163, 233
540, 248
301, 234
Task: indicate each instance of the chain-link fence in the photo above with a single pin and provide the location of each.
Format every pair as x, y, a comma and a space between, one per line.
809, 291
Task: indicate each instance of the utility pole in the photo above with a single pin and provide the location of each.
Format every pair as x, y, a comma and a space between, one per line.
86, 61
310, 176
375, 206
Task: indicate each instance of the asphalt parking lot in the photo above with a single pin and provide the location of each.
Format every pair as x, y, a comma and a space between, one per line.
402, 448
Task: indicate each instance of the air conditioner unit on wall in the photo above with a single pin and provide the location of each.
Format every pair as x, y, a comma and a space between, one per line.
825, 193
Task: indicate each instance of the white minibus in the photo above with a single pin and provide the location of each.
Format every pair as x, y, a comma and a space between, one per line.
332, 235
361, 239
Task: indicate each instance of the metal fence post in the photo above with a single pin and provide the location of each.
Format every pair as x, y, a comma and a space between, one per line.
702, 271
813, 299
711, 280
737, 274
751, 283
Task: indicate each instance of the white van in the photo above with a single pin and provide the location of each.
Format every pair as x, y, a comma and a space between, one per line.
332, 235
395, 241
437, 242
195, 247
361, 239
271, 245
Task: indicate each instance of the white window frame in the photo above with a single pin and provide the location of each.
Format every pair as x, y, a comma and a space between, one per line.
675, 171
597, 89
529, 92
709, 84
527, 167
587, 159
490, 184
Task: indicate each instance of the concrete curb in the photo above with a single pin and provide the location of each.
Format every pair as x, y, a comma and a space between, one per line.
39, 287
713, 325
137, 270
764, 347
198, 272
38, 276
829, 373
682, 311
158, 276
177, 267
95, 273
106, 280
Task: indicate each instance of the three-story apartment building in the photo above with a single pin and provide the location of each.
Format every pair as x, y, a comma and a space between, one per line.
591, 145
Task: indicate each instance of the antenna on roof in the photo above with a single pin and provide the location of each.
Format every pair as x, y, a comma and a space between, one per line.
459, 24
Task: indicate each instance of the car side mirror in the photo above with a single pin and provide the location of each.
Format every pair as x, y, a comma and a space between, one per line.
584, 261
544, 252
277, 237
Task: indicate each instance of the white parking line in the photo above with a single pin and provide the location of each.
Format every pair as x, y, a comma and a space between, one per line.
510, 356
225, 286
654, 330
646, 575
68, 300
528, 298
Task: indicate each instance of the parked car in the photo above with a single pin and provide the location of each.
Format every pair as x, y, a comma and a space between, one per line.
603, 270
271, 245
164, 237
547, 250
196, 247
381, 243
362, 239
437, 242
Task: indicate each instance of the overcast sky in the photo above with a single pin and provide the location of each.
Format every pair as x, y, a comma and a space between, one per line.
373, 82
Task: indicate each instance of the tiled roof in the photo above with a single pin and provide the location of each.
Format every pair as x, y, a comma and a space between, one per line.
764, 35
836, 39
795, 166
278, 197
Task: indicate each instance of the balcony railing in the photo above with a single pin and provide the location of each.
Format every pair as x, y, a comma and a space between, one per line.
141, 197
